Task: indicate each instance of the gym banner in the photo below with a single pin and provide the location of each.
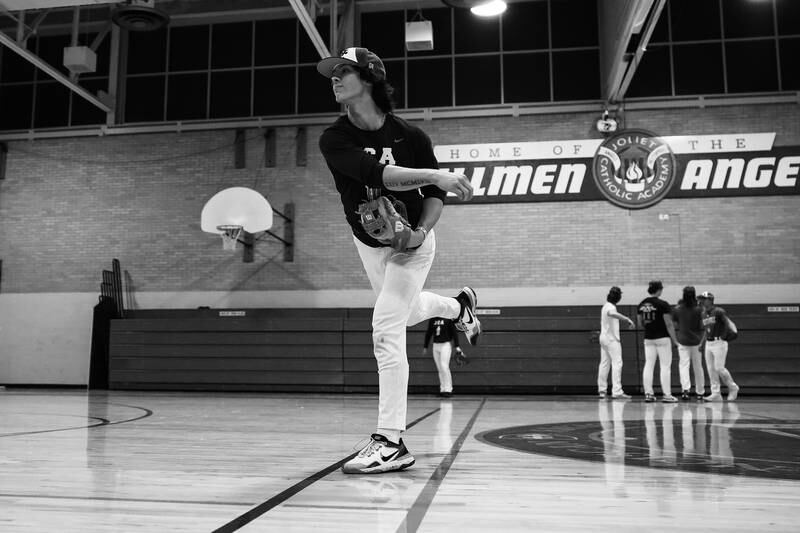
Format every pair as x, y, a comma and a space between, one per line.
633, 169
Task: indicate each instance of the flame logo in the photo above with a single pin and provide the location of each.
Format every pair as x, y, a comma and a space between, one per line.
634, 173
634, 169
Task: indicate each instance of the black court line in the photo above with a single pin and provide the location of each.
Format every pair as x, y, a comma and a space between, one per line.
260, 509
127, 500
102, 422
423, 502
147, 412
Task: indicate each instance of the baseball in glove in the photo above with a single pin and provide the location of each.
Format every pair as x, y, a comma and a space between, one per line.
386, 222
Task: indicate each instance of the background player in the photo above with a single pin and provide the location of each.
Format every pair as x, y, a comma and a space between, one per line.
718, 329
445, 339
371, 152
689, 330
654, 315
611, 347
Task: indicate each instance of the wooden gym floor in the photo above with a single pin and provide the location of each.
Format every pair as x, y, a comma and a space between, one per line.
202, 462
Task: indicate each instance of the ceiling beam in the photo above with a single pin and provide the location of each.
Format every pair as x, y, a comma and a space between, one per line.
624, 24
308, 23
43, 65
647, 31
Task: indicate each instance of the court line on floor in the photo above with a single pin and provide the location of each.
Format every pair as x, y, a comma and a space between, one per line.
423, 502
102, 422
244, 519
125, 500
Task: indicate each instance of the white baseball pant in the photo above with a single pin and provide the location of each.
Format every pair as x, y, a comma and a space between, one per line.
660, 349
441, 357
610, 357
691, 355
397, 279
716, 355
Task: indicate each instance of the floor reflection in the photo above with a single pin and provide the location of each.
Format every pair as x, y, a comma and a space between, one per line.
695, 437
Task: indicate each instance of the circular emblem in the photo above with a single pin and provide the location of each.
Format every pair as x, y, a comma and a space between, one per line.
634, 169
694, 441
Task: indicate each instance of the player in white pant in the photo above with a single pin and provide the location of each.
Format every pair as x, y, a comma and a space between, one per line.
654, 315
611, 347
718, 328
689, 330
397, 280
443, 334
372, 153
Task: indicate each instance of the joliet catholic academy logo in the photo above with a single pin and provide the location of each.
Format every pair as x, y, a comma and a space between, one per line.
634, 169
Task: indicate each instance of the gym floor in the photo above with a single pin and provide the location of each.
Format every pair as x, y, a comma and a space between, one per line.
129, 461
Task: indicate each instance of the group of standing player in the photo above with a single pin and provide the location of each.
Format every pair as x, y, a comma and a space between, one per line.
694, 322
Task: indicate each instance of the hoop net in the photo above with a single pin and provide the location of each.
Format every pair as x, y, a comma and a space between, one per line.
230, 235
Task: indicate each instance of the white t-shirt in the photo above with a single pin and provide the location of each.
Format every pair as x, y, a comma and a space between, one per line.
609, 326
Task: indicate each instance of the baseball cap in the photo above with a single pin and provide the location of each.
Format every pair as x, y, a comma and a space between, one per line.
356, 56
706, 295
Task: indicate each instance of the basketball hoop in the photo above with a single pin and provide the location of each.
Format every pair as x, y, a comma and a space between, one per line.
230, 235
236, 212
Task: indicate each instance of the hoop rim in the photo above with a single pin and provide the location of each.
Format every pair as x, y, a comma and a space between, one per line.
229, 227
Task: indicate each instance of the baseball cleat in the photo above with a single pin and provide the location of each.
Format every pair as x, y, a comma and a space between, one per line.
467, 321
713, 397
621, 396
379, 456
649, 398
669, 399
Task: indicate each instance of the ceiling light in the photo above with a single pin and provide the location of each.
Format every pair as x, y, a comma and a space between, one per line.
492, 8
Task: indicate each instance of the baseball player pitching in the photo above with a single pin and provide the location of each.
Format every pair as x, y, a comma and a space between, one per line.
392, 192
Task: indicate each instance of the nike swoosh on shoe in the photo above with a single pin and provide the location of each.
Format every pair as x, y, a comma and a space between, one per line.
390, 456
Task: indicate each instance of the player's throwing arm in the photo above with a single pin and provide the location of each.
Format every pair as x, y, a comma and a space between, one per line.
404, 179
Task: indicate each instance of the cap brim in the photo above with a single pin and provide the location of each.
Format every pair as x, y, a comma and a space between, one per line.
327, 65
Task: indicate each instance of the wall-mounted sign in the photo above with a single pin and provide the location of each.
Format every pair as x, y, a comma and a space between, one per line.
232, 313
632, 168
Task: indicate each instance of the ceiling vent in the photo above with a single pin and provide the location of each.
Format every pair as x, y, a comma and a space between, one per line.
139, 15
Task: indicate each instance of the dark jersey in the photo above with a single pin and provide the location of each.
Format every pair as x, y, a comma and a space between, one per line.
688, 324
442, 330
652, 310
357, 157
715, 323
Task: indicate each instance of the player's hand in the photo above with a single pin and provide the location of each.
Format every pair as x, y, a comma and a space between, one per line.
455, 183
416, 239
631, 324
461, 358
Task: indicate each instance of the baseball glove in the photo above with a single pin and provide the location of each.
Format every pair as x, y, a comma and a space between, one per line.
730, 335
461, 358
386, 222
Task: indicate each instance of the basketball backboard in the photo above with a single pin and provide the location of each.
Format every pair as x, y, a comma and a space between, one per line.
236, 206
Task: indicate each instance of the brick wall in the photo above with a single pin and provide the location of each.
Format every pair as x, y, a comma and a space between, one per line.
67, 206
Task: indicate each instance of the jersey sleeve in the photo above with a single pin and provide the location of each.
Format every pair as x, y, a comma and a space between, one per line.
348, 159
